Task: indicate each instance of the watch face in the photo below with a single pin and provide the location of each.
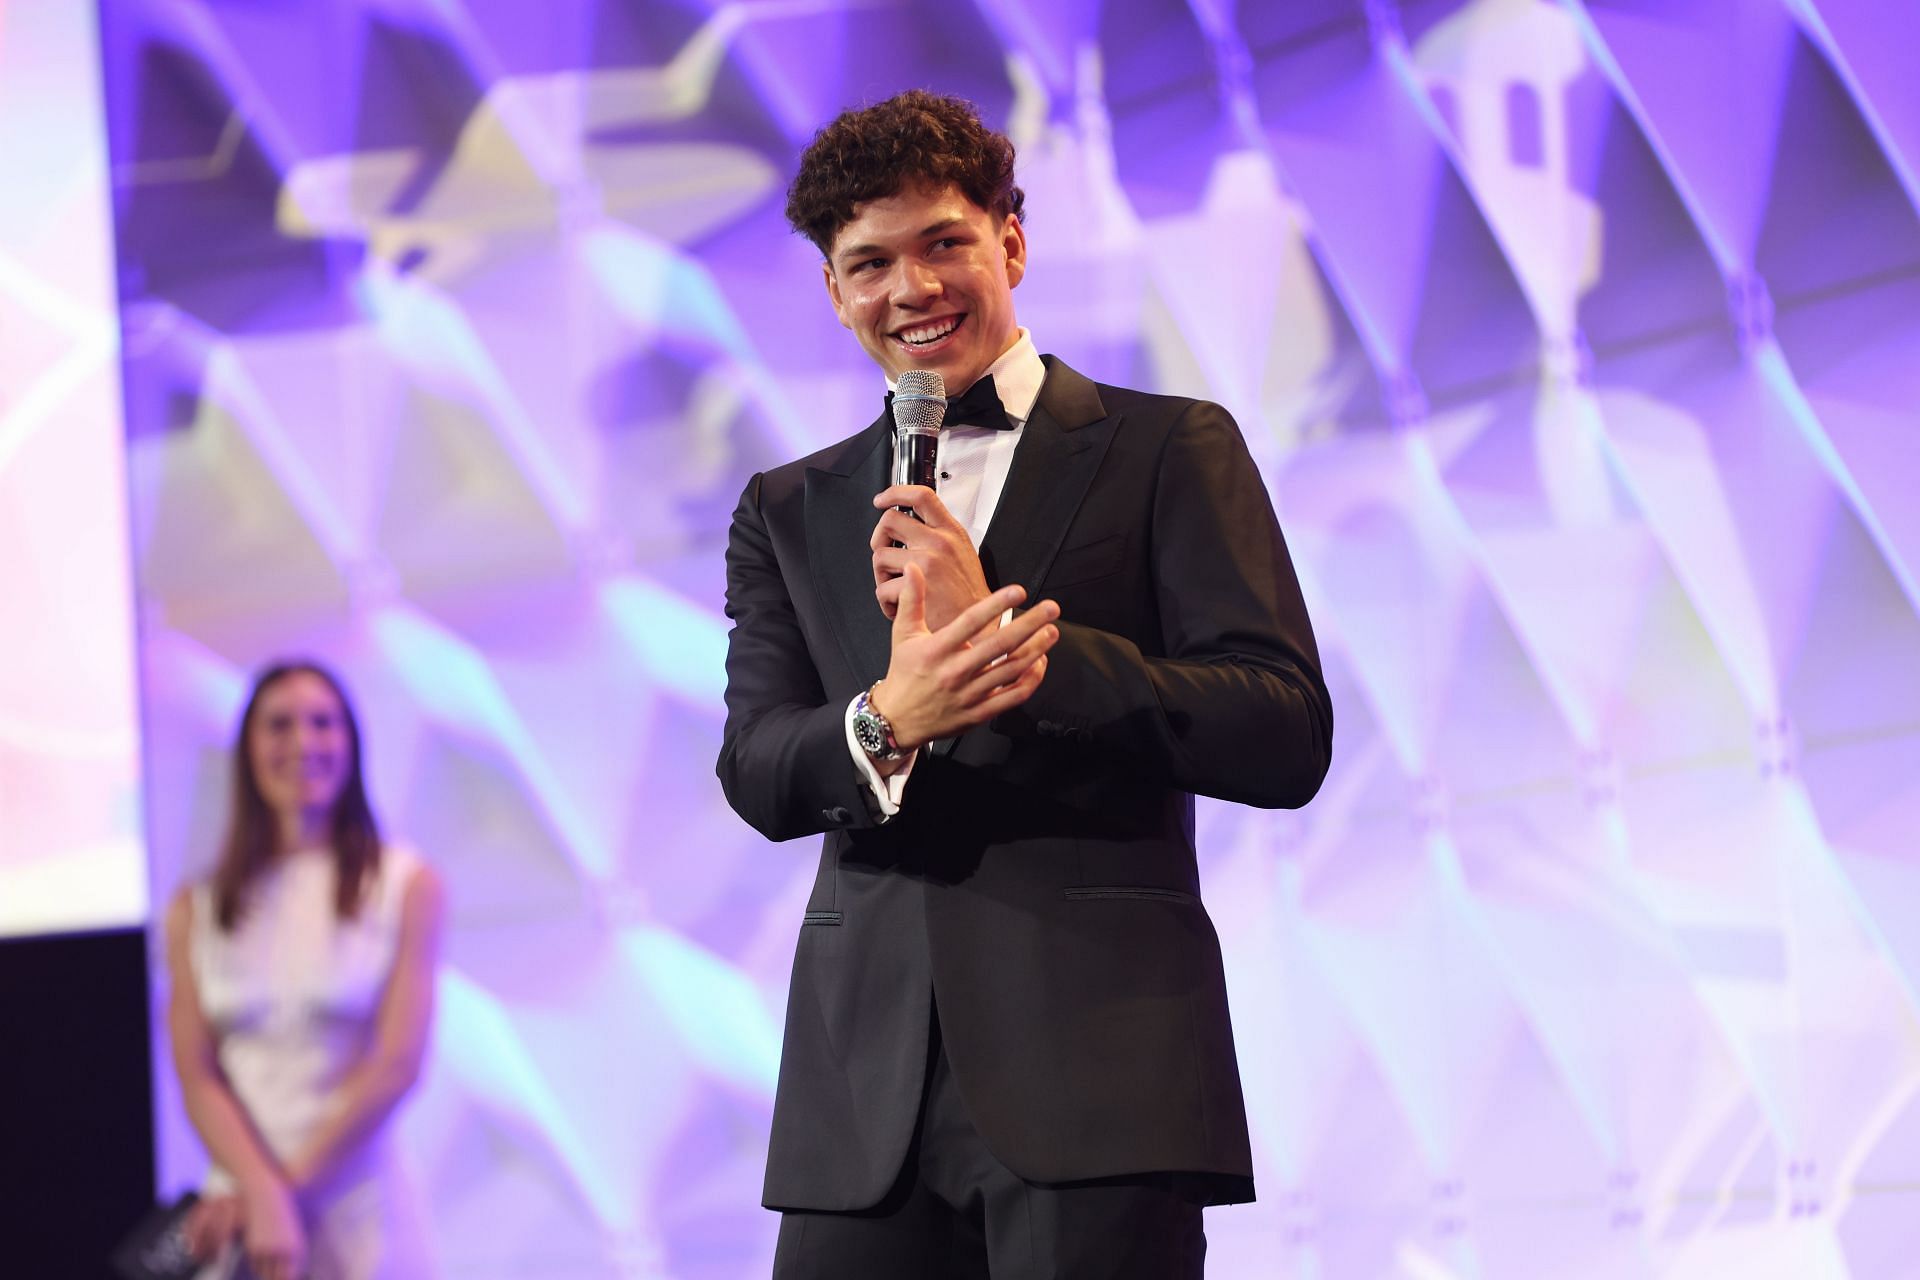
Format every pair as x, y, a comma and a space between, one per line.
867, 732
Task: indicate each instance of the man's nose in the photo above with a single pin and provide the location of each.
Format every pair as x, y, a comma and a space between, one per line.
914, 284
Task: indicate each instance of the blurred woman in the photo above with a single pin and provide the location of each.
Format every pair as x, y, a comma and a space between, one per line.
303, 976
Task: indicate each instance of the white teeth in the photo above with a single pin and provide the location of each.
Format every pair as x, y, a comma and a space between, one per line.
931, 332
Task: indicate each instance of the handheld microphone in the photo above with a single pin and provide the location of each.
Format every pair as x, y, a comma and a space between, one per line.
919, 404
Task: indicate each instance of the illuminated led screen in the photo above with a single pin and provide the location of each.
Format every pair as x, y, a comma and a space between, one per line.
71, 848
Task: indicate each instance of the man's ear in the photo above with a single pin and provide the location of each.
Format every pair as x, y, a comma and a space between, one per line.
833, 295
1014, 240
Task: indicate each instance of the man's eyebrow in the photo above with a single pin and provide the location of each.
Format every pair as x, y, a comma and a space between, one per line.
873, 250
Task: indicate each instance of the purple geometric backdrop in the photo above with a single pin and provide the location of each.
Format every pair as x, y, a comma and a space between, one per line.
1579, 344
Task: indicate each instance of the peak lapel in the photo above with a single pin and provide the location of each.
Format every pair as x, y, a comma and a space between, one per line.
1060, 450
840, 517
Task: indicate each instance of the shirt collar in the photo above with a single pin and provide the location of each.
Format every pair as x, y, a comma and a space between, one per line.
1016, 375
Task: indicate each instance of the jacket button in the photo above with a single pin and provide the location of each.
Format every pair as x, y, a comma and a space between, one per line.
839, 815
1048, 729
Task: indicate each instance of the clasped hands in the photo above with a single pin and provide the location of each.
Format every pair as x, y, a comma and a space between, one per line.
265, 1218
953, 665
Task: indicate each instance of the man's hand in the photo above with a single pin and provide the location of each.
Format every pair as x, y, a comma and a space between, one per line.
937, 542
940, 682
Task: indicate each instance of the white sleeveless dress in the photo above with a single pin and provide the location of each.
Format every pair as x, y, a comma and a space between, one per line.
291, 995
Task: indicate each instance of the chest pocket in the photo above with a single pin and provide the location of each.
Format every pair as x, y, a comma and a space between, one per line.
1089, 561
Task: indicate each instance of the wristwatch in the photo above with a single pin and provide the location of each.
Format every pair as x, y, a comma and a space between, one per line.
871, 730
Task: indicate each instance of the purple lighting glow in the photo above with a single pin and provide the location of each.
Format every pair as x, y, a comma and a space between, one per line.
1579, 345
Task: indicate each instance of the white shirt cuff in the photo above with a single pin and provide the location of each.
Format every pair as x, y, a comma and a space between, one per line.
886, 791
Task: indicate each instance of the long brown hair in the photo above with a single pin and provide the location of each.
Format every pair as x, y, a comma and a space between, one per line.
253, 833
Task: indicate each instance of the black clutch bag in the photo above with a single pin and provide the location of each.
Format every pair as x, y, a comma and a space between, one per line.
157, 1248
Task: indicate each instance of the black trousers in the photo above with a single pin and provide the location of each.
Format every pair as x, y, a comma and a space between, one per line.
956, 1213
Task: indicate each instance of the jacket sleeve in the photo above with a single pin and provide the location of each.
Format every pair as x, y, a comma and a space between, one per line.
783, 764
1234, 705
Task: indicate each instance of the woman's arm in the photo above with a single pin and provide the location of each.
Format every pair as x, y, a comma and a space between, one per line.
275, 1241
223, 1125
374, 1086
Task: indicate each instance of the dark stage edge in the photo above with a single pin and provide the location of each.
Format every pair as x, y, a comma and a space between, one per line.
76, 1101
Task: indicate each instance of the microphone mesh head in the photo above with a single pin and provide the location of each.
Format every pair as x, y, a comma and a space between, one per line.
919, 400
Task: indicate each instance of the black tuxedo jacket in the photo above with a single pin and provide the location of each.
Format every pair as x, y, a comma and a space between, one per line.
1039, 882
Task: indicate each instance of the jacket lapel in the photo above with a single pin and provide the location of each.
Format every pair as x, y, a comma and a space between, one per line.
1060, 450
840, 517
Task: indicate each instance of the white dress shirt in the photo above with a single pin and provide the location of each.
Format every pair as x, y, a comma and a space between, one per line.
974, 462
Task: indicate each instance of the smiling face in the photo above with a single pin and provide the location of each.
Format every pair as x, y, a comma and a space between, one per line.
299, 746
924, 279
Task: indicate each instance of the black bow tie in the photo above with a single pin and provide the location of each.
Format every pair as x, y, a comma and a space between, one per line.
979, 407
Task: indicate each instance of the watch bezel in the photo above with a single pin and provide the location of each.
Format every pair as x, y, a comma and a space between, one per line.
872, 732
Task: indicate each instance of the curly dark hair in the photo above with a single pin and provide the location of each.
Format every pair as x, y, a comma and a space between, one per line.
875, 152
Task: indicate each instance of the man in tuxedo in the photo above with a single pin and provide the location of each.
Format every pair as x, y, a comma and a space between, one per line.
1007, 1044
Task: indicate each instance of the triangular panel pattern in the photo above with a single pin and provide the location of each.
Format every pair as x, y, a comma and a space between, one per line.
1575, 340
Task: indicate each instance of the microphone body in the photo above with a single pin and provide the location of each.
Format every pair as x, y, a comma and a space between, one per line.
919, 405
